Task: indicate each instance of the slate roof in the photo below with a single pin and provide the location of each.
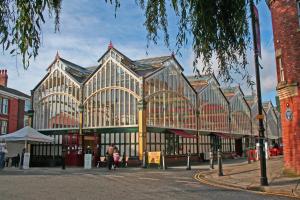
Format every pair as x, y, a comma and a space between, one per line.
77, 72
145, 67
198, 83
14, 92
142, 67
250, 99
229, 92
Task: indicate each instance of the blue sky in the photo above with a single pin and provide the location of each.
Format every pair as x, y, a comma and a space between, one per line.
87, 26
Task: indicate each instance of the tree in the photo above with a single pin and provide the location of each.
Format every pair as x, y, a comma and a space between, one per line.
218, 27
20, 25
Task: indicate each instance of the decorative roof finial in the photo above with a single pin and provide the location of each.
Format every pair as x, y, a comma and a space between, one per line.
57, 55
110, 45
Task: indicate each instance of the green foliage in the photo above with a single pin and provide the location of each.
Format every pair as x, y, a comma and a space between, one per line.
219, 29
20, 25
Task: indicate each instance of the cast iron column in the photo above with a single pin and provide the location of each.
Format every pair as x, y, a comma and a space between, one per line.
263, 170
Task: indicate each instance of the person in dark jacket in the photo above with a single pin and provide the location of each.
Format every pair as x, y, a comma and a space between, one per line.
22, 158
109, 154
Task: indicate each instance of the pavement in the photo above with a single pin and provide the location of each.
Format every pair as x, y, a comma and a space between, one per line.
125, 183
244, 176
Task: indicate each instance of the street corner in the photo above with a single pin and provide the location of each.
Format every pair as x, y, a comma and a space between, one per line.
207, 178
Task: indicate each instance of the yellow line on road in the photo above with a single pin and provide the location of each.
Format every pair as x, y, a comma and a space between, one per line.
199, 177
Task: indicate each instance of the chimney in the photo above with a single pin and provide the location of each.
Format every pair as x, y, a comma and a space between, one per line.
3, 78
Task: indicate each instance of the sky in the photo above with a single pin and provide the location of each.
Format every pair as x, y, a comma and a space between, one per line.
87, 27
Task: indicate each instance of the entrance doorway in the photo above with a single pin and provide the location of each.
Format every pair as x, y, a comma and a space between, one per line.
73, 147
239, 146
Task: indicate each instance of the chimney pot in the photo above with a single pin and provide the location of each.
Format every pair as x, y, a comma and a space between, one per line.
3, 77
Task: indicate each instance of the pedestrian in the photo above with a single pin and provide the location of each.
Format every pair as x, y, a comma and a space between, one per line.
22, 158
3, 151
63, 158
17, 161
116, 156
109, 155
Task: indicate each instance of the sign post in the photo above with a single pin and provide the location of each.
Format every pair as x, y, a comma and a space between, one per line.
88, 161
26, 160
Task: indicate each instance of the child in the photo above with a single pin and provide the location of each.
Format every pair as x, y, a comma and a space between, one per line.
116, 156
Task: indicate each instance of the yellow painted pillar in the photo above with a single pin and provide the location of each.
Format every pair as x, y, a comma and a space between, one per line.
198, 129
80, 119
142, 128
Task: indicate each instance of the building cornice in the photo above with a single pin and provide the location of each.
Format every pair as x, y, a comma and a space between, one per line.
13, 95
286, 90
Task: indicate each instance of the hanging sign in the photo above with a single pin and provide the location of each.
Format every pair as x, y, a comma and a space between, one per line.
257, 31
154, 157
259, 117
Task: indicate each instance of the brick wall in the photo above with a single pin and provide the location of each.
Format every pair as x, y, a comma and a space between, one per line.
12, 115
286, 32
21, 106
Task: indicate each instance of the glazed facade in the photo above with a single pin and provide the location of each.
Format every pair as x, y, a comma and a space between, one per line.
96, 106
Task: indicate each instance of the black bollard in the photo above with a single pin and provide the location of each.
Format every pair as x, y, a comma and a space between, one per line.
63, 160
144, 164
211, 160
188, 164
220, 163
124, 163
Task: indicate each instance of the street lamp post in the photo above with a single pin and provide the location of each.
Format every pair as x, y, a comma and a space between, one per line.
263, 170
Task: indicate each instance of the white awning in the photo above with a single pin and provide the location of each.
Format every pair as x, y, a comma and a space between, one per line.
27, 134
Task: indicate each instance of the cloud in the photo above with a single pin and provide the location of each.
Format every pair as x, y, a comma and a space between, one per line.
267, 74
86, 29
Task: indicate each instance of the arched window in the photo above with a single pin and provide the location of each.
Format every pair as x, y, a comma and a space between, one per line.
56, 102
240, 116
111, 95
214, 110
171, 101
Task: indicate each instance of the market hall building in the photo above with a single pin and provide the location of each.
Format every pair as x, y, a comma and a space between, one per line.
138, 105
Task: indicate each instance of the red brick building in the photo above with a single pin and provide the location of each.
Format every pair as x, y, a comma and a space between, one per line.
13, 107
286, 29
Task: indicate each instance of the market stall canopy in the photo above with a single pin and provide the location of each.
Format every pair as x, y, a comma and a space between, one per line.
26, 134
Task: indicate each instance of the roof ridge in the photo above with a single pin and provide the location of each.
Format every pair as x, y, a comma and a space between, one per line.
167, 56
65, 60
15, 90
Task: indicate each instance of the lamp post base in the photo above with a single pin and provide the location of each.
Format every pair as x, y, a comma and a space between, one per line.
264, 181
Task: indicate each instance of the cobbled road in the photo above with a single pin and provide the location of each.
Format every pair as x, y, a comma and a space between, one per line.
121, 184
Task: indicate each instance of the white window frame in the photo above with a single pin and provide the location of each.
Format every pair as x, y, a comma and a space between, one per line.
3, 128
5, 106
281, 71
27, 105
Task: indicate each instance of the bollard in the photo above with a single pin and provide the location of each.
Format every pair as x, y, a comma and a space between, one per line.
220, 163
211, 160
188, 164
63, 159
144, 160
164, 167
124, 163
